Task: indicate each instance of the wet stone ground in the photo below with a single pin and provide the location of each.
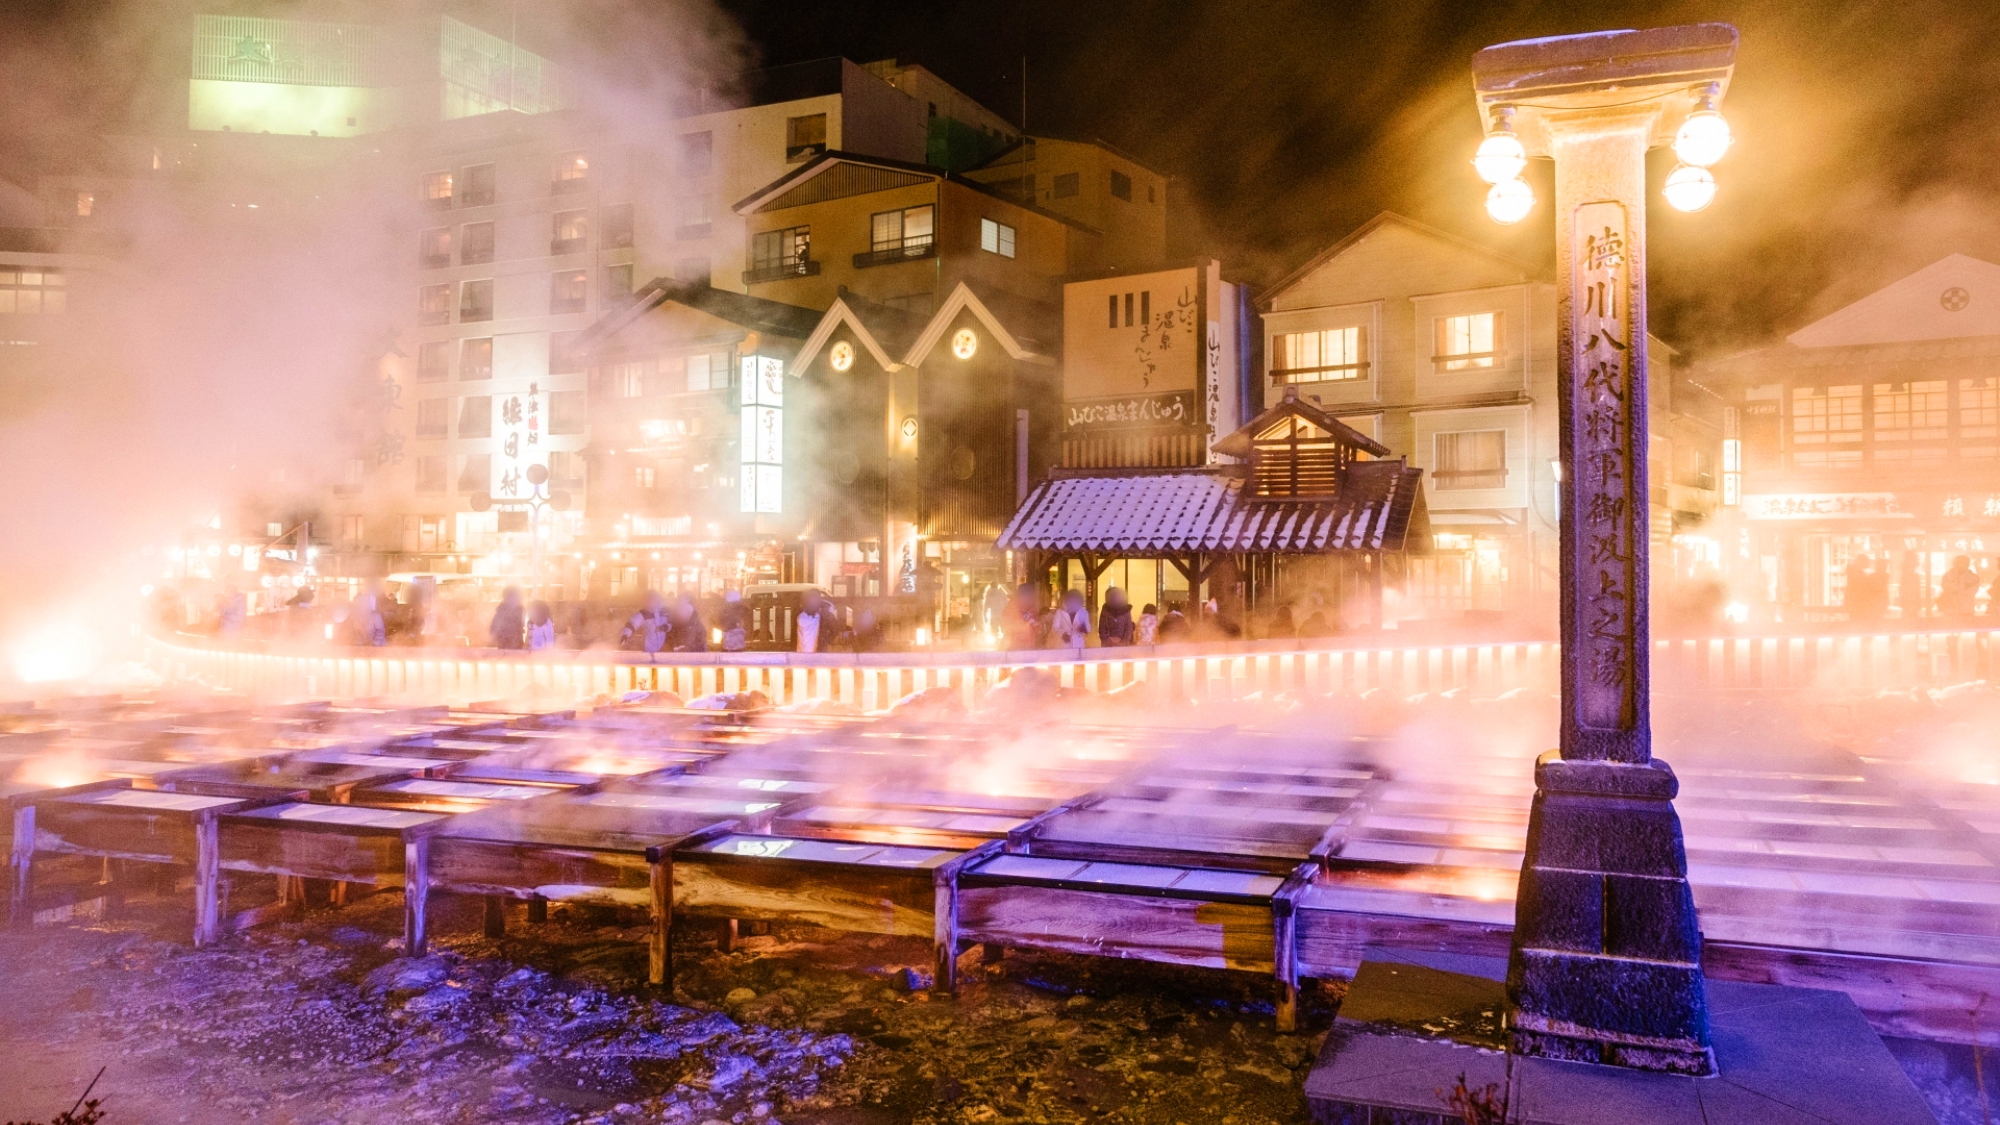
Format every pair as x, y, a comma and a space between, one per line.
323, 1020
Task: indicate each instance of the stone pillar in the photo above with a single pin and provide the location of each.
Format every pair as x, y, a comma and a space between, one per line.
1606, 958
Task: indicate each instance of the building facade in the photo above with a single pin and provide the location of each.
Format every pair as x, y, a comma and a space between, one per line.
1445, 352
1868, 441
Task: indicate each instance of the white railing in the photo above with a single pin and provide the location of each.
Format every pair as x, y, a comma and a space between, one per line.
1846, 663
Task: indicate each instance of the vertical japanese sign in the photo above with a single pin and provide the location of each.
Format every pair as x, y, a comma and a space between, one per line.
762, 447
1218, 386
521, 428
1609, 506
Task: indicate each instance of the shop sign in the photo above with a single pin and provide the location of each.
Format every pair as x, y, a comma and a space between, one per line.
1136, 410
1825, 506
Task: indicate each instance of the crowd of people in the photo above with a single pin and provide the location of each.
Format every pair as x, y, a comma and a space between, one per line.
1957, 599
1024, 624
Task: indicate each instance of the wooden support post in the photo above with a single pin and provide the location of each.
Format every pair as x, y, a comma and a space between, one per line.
944, 930
22, 864
726, 942
495, 923
416, 894
538, 910
1285, 943
659, 947
207, 876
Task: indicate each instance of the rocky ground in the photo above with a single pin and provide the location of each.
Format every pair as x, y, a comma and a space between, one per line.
323, 1021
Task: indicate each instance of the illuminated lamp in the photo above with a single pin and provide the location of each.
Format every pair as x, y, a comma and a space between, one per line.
1689, 188
965, 344
1501, 156
1704, 137
1509, 201
842, 356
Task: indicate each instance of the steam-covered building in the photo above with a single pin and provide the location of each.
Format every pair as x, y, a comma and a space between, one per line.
1867, 442
1445, 352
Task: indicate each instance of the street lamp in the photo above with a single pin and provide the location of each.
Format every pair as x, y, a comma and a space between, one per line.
1499, 161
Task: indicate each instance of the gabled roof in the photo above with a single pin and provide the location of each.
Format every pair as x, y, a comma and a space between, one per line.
757, 314
852, 173
896, 338
1952, 298
1238, 444
885, 331
1388, 218
963, 299
1380, 507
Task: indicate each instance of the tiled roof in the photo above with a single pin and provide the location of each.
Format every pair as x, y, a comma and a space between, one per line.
1197, 510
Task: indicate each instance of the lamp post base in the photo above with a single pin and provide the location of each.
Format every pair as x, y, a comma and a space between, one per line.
1606, 959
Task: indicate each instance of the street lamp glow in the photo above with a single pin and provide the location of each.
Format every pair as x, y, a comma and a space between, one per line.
1500, 158
1509, 201
1689, 188
1703, 138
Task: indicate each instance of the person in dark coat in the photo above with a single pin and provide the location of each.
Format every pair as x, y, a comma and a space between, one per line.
734, 623
509, 628
1023, 619
648, 629
688, 633
1174, 626
1115, 627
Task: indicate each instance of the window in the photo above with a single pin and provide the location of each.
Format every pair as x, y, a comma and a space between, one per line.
907, 233
1121, 185
475, 244
644, 476
426, 533
1826, 427
629, 379
86, 202
708, 372
33, 291
1313, 357
781, 253
1978, 417
692, 213
565, 469
564, 359
475, 301
1114, 310
475, 358
568, 411
1068, 185
996, 238
436, 189
434, 304
618, 282
434, 361
430, 473
614, 225
805, 137
572, 173
475, 416
477, 473
1906, 412
698, 154
434, 248
354, 475
1470, 459
569, 291
433, 417
477, 188
1467, 342
572, 232
353, 532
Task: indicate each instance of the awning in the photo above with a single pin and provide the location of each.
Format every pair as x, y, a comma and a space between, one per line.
1182, 511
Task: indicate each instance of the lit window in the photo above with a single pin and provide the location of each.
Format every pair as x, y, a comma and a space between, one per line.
572, 232
996, 238
777, 253
86, 202
32, 291
805, 137
643, 476
572, 172
1824, 420
906, 233
1917, 411
1466, 342
437, 189
1470, 459
1311, 357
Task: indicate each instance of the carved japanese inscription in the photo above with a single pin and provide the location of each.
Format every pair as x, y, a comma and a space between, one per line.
1606, 430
